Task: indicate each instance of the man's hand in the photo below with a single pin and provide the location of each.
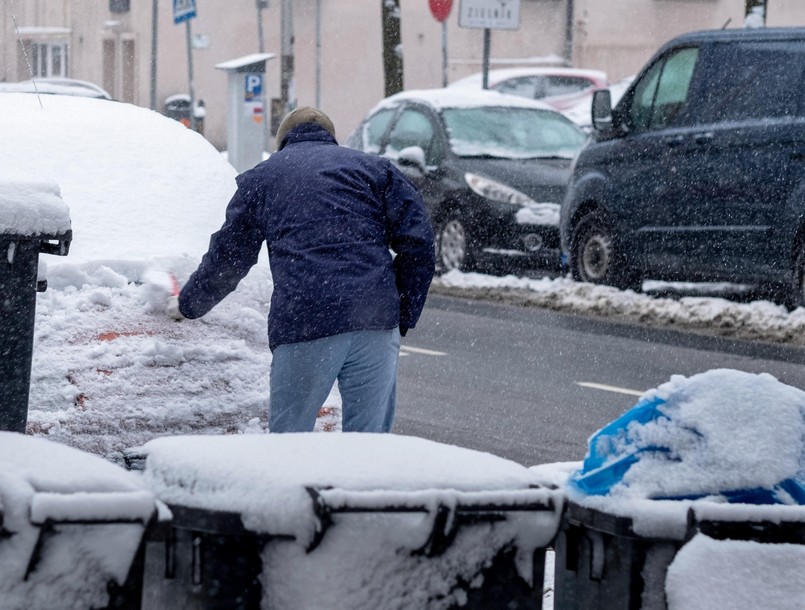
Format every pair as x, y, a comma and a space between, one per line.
172, 308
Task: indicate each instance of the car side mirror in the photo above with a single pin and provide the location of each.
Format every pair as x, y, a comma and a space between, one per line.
412, 156
602, 110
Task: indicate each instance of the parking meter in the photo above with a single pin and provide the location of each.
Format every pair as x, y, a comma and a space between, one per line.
246, 109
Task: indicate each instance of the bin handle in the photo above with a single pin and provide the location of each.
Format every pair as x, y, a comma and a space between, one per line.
446, 515
60, 248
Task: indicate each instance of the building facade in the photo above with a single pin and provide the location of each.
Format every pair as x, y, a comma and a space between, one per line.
337, 44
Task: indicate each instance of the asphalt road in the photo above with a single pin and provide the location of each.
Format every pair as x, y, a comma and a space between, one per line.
532, 385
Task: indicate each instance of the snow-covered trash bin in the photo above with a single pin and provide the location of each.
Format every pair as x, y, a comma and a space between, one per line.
71, 528
33, 220
344, 521
719, 455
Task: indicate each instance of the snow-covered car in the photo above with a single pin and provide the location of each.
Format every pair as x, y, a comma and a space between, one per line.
492, 170
561, 88
57, 86
138, 184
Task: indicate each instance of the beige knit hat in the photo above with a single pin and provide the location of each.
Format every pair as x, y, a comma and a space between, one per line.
303, 114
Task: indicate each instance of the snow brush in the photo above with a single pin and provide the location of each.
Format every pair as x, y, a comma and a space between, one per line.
158, 286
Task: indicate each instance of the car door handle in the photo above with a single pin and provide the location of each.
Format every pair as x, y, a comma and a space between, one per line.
675, 141
704, 137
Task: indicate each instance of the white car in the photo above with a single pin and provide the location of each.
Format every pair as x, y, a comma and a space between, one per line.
57, 86
560, 88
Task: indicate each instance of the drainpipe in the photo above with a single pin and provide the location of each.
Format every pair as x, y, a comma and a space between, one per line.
569, 18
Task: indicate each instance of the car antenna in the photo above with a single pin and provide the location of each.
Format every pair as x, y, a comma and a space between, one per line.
27, 61
726, 23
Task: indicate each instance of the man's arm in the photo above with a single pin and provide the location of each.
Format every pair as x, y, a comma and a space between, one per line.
233, 250
411, 238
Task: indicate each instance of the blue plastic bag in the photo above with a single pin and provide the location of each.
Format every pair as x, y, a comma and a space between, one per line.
611, 454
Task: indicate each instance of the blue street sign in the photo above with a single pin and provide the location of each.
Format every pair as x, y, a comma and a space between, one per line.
183, 10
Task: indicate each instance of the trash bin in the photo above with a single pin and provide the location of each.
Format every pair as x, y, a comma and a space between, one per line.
602, 563
33, 221
740, 556
343, 521
619, 561
178, 107
698, 457
71, 528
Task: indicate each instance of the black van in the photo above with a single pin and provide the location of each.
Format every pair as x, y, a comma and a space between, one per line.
698, 174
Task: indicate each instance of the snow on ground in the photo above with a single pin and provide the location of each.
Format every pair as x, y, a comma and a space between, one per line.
110, 371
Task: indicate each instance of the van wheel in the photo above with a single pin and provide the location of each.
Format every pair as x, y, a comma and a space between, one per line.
453, 247
596, 256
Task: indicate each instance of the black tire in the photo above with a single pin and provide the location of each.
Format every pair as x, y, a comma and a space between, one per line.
596, 255
454, 246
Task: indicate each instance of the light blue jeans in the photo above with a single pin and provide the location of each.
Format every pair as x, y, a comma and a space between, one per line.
363, 362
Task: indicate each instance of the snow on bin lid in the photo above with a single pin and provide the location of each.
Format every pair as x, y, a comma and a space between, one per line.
716, 437
263, 477
709, 573
30, 205
41, 479
717, 432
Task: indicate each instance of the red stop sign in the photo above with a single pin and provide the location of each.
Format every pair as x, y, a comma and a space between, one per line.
440, 8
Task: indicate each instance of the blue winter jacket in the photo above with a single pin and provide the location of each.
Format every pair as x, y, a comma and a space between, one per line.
329, 215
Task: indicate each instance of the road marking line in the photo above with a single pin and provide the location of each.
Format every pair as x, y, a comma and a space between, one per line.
419, 350
609, 388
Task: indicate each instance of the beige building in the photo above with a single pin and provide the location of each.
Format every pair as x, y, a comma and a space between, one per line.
84, 39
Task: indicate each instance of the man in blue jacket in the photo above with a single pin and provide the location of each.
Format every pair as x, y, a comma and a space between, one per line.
331, 217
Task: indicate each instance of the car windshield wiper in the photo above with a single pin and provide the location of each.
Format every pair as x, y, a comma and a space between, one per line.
554, 156
484, 156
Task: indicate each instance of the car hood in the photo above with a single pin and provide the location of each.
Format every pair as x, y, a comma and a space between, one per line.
544, 180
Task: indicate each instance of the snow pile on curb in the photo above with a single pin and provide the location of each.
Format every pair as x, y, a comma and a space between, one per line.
757, 320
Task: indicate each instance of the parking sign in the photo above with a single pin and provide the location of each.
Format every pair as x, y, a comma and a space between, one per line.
254, 86
183, 10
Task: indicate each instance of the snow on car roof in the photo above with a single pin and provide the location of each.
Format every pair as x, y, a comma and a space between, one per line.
495, 76
461, 98
131, 177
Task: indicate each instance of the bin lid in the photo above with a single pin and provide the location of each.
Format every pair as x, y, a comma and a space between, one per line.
265, 477
31, 206
42, 480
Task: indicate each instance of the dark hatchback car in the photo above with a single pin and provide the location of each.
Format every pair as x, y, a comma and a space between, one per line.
491, 168
699, 172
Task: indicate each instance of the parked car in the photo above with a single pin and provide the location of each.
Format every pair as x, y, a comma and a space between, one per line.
57, 86
561, 88
699, 172
581, 112
492, 170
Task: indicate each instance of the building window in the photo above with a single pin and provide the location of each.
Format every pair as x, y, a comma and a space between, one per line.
48, 59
